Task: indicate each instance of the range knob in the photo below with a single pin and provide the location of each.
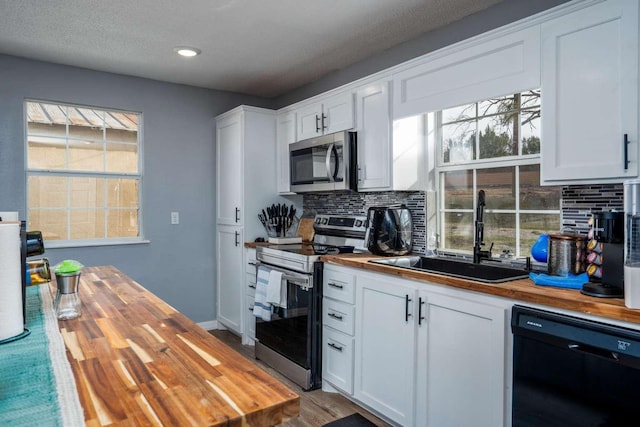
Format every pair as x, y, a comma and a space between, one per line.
324, 221
358, 223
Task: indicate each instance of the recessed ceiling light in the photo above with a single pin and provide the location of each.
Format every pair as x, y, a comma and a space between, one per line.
187, 51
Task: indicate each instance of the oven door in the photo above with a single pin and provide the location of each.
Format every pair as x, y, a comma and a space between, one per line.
322, 164
294, 331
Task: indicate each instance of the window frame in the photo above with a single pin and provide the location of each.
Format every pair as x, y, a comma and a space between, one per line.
474, 165
139, 177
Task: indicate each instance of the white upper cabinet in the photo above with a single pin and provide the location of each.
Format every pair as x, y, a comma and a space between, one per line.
374, 136
474, 71
391, 155
330, 115
229, 167
590, 94
286, 134
245, 167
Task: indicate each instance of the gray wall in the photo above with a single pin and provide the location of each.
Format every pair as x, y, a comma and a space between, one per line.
501, 14
179, 172
179, 152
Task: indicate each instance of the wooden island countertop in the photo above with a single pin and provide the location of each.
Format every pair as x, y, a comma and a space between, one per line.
138, 361
523, 290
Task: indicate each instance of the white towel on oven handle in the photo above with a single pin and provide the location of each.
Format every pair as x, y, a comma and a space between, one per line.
276, 290
261, 308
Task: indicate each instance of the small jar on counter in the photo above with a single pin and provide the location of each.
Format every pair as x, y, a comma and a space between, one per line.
67, 301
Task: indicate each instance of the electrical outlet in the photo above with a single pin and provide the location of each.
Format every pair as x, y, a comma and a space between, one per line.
175, 218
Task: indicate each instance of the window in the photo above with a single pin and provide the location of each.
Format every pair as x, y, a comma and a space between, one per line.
493, 145
83, 173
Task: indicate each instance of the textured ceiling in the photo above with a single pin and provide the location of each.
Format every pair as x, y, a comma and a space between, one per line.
257, 47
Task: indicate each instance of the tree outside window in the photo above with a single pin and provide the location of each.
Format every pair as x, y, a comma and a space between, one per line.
494, 145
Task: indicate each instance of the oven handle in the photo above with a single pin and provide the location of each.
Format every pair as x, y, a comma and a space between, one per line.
303, 280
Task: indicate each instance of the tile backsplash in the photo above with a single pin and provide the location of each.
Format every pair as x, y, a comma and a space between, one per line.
578, 203
351, 203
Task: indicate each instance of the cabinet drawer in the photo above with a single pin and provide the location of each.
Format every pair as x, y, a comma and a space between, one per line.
251, 320
338, 315
337, 359
250, 278
339, 286
250, 281
250, 267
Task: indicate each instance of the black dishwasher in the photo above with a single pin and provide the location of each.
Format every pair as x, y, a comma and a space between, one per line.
573, 372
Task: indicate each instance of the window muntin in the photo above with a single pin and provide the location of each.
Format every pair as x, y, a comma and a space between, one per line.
493, 145
83, 168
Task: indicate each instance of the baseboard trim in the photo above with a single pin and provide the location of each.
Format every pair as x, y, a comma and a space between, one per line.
210, 325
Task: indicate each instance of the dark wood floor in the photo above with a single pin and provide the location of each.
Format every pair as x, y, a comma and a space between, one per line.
316, 407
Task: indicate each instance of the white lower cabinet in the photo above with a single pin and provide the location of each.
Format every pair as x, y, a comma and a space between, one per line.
230, 276
422, 354
249, 335
385, 347
337, 357
338, 327
461, 363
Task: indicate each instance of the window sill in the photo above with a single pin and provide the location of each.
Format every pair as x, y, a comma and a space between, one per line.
62, 245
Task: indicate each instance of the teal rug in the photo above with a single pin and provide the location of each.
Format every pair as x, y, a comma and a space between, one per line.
36, 382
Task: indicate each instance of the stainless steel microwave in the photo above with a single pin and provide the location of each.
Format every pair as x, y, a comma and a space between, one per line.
324, 163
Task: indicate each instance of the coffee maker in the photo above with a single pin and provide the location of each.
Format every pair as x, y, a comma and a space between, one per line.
605, 256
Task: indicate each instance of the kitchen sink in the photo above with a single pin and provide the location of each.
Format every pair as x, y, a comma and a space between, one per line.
487, 273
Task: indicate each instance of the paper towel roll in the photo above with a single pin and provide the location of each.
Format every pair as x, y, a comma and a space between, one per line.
11, 320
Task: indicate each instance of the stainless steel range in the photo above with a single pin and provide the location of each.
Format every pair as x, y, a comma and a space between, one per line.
289, 336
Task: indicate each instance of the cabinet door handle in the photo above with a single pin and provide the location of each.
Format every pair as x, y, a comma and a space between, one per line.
324, 117
407, 300
237, 214
335, 285
335, 316
252, 263
237, 238
317, 124
252, 286
420, 316
337, 347
626, 151
250, 308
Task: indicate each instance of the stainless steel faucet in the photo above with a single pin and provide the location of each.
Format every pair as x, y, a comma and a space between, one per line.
478, 253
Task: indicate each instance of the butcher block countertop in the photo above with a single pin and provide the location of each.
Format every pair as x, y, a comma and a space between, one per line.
520, 290
138, 361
